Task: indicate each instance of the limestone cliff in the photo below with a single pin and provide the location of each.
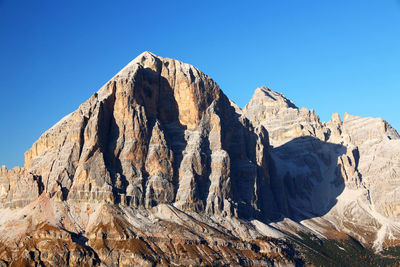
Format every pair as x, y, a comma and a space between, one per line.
156, 167
159, 167
340, 175
159, 132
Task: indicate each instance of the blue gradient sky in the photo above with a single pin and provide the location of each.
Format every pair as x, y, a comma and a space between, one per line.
332, 56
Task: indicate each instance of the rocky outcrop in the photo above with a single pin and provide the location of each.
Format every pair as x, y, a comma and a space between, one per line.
346, 171
18, 187
67, 234
159, 168
159, 134
280, 116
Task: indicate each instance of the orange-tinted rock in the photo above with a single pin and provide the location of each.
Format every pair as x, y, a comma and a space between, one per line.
157, 167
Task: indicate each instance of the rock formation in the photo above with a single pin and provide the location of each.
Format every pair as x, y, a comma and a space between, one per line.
341, 174
159, 132
156, 161
159, 167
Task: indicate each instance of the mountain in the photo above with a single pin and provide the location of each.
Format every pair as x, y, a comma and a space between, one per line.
340, 175
159, 167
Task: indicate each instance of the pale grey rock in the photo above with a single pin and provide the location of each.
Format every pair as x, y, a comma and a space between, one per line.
159, 167
280, 116
18, 187
346, 171
160, 131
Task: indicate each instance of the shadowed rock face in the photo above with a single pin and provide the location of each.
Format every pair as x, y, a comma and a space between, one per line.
159, 167
159, 132
345, 171
119, 175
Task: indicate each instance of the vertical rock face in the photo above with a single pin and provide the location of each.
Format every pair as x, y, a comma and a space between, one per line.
307, 174
283, 120
377, 160
159, 167
158, 141
18, 187
160, 131
338, 170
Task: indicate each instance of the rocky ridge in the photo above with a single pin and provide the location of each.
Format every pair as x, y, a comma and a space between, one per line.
156, 167
159, 167
335, 176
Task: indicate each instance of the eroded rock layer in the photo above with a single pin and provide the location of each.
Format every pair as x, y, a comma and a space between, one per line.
160, 168
340, 175
159, 133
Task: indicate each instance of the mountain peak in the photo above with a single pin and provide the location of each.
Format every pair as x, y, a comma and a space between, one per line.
146, 55
146, 139
144, 59
160, 163
265, 96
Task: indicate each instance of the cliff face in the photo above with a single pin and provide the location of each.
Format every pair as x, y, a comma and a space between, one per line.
158, 141
18, 187
159, 132
159, 167
340, 175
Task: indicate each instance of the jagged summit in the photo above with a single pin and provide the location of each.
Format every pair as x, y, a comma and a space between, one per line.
105, 150
280, 116
160, 167
285, 121
343, 171
157, 141
267, 96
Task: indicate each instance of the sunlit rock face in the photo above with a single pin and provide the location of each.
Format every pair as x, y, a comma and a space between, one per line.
18, 187
159, 167
116, 176
160, 131
284, 120
346, 171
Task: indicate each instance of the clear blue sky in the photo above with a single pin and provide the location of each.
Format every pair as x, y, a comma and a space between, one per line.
332, 56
